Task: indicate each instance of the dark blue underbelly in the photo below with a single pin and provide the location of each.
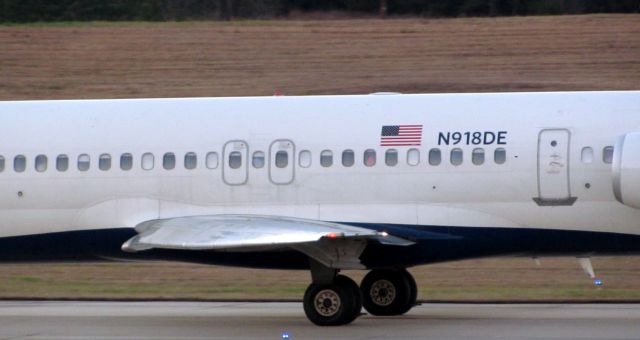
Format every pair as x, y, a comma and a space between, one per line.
433, 244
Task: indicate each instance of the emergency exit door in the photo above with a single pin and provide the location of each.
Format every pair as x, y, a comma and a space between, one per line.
234, 163
554, 185
281, 161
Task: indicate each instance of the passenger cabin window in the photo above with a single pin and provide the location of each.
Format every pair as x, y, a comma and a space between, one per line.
147, 161
587, 155
435, 157
190, 160
104, 162
84, 162
369, 157
326, 158
126, 161
391, 157
235, 160
477, 156
607, 154
212, 160
62, 163
348, 158
1, 163
413, 157
257, 160
304, 158
282, 159
19, 163
456, 156
41, 163
500, 156
169, 161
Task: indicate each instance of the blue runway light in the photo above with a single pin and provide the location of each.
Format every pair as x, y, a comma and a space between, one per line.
597, 282
285, 335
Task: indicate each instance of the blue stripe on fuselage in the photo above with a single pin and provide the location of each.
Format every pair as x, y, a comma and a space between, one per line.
433, 244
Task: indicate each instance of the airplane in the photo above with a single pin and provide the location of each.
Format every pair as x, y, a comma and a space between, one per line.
323, 183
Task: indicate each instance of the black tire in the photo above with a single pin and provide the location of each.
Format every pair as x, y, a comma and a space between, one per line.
388, 292
333, 304
356, 305
413, 299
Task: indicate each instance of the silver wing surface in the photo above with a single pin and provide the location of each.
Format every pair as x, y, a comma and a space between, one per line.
332, 244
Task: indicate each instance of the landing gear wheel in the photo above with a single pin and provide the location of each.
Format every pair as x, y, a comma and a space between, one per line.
413, 299
356, 296
388, 292
333, 304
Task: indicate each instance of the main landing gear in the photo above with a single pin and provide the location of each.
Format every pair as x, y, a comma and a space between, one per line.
333, 304
389, 292
333, 300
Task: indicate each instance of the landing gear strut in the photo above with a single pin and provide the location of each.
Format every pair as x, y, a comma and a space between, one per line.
388, 292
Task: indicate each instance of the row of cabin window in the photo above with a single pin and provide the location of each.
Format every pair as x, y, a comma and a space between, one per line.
104, 162
258, 159
587, 154
435, 157
391, 157
281, 159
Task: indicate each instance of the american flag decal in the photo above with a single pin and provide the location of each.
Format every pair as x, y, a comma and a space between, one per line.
401, 135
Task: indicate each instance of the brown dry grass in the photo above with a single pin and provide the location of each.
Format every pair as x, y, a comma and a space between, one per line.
105, 60
473, 280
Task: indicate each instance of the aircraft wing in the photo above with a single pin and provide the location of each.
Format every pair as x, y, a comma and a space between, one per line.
332, 244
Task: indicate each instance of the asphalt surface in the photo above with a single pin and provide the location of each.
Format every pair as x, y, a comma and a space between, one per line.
217, 320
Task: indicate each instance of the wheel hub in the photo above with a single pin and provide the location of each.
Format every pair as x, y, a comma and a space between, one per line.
327, 302
383, 292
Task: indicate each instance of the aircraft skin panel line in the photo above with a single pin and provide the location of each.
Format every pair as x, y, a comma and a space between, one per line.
323, 183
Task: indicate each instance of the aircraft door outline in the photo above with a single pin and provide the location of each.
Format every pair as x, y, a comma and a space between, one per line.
234, 162
282, 161
554, 184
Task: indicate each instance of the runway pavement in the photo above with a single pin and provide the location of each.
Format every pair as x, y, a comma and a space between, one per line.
217, 320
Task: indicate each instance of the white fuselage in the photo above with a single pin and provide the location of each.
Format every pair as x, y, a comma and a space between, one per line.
412, 192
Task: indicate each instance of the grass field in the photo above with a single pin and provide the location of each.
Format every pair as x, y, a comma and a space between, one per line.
474, 280
119, 60
106, 60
